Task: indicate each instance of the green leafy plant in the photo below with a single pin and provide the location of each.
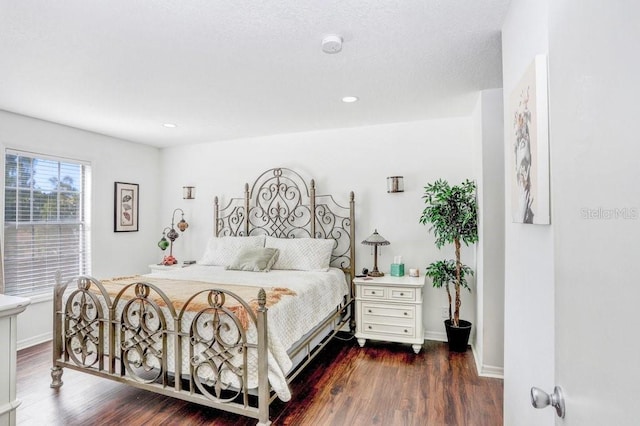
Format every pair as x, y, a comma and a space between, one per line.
452, 213
443, 273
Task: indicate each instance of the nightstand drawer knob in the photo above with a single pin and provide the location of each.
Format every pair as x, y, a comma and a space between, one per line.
369, 327
373, 292
406, 313
401, 294
406, 331
369, 310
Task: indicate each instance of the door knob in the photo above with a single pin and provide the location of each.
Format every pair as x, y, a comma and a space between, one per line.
541, 399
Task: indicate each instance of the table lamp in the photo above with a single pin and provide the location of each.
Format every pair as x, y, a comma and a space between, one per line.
172, 235
375, 240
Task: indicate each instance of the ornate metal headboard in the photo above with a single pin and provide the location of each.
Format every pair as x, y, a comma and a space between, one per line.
280, 204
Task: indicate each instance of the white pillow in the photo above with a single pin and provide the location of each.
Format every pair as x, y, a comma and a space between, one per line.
223, 251
302, 254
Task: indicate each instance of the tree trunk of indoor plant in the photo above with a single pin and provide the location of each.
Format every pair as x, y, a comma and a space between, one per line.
456, 313
458, 331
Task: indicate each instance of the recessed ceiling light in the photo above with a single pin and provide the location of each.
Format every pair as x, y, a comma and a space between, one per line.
170, 125
349, 99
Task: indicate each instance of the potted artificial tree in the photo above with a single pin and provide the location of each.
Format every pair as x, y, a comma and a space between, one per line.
452, 213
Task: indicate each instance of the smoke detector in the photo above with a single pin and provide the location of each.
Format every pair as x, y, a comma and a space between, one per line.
332, 44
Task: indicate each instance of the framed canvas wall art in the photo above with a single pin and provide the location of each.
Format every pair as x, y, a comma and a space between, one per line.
528, 146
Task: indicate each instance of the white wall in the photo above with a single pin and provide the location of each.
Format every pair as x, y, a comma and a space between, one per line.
340, 161
111, 160
529, 283
489, 165
477, 338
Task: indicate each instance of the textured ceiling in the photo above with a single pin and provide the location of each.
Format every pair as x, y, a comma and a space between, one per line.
226, 69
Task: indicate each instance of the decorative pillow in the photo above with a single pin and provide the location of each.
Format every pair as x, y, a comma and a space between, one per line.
302, 254
223, 251
255, 259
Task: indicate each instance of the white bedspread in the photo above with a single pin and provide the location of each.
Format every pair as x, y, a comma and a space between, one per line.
317, 295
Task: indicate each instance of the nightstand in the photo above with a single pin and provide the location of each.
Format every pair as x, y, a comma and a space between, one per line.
10, 307
389, 309
155, 267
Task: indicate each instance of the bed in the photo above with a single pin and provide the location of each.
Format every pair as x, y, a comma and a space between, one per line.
273, 286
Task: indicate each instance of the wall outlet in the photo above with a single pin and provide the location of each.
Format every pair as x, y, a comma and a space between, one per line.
444, 312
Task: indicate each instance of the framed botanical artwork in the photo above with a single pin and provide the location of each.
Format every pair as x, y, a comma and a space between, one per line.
528, 146
126, 207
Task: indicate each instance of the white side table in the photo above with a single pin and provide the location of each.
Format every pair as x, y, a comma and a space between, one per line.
10, 307
389, 309
158, 268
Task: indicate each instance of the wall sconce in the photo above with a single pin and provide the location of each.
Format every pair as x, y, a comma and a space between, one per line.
172, 235
375, 240
395, 184
189, 192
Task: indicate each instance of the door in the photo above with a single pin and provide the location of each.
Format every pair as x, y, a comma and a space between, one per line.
594, 78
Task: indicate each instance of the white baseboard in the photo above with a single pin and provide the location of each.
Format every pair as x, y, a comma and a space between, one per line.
486, 370
438, 336
35, 340
491, 371
477, 358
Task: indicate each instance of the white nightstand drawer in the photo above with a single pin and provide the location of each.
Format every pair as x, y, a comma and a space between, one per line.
402, 294
388, 313
383, 320
373, 292
388, 329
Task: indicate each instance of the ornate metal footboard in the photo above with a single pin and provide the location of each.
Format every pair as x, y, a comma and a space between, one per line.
127, 338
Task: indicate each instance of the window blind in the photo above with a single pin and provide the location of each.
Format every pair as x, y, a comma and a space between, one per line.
46, 221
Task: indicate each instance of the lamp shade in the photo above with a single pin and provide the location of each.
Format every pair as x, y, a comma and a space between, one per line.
375, 239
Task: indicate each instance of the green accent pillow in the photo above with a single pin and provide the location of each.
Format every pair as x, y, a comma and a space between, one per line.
255, 259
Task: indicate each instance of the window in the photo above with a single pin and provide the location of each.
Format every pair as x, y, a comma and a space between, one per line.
46, 221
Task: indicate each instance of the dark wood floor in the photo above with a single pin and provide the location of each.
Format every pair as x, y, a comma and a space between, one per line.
380, 384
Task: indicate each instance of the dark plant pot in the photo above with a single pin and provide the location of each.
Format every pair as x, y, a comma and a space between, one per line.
458, 337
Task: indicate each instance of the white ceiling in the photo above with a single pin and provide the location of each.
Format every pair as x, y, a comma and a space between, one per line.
226, 69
